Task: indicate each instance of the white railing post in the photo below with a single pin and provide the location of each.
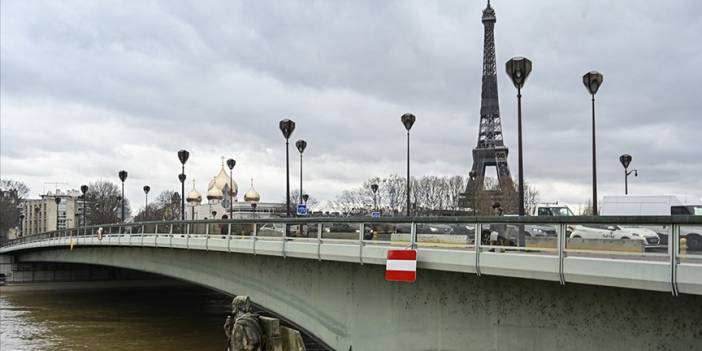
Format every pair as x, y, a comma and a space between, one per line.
673, 252
478, 241
255, 236
319, 241
229, 238
413, 235
361, 232
285, 238
560, 242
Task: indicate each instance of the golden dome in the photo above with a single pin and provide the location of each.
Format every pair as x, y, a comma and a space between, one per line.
223, 179
194, 197
214, 194
252, 195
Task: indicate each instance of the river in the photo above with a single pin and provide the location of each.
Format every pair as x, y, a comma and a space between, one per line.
161, 318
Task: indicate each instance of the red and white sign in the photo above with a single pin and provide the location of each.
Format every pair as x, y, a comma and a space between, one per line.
401, 266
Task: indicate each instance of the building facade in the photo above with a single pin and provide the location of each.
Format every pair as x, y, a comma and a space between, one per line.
44, 214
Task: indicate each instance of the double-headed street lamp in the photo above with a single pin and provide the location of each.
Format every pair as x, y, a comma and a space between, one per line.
83, 189
518, 69
231, 163
287, 127
626, 160
592, 81
374, 189
122, 176
146, 204
183, 156
301, 145
408, 121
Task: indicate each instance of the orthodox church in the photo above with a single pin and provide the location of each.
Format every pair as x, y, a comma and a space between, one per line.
222, 192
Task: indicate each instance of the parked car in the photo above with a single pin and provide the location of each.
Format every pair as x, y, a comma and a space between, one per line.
608, 231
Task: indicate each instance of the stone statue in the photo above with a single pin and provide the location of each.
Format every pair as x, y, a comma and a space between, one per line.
247, 331
242, 327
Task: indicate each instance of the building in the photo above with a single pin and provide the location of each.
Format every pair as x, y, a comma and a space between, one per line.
40, 215
219, 196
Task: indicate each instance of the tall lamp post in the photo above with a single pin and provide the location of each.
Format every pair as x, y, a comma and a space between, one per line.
287, 127
374, 189
592, 81
83, 189
473, 174
231, 163
626, 160
122, 176
21, 224
518, 69
146, 202
183, 156
58, 201
301, 145
408, 120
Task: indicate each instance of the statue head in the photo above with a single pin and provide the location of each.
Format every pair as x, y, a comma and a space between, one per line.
241, 304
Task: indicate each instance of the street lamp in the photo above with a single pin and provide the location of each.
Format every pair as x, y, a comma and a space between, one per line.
287, 127
146, 205
83, 189
374, 189
183, 156
231, 163
21, 224
408, 120
301, 145
518, 69
122, 176
58, 201
626, 160
592, 81
473, 174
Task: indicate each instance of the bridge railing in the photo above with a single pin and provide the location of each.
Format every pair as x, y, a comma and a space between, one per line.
559, 248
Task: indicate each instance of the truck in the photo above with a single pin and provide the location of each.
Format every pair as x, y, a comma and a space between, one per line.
658, 205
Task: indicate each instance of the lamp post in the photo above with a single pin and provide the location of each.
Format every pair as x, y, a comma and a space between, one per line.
231, 163
626, 160
408, 120
21, 224
183, 156
473, 174
83, 189
58, 201
146, 203
301, 145
374, 189
287, 127
122, 176
518, 69
592, 81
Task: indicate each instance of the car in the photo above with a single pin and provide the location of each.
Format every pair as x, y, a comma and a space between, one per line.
648, 237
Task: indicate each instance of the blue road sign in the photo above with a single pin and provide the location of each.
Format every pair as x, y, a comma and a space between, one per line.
375, 214
301, 209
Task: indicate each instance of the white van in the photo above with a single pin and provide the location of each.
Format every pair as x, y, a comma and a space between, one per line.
658, 205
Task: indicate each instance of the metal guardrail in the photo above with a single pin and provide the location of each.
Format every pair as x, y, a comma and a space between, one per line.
556, 252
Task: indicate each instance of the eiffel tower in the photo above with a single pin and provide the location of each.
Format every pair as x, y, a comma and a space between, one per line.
490, 151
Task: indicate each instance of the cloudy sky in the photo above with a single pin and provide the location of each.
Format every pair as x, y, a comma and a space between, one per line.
92, 87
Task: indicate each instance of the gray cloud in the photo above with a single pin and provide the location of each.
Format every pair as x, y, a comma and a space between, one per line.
91, 88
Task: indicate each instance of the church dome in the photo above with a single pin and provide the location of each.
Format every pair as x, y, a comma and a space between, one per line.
252, 195
214, 194
194, 196
223, 179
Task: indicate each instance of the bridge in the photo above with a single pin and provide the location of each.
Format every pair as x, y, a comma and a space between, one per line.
543, 290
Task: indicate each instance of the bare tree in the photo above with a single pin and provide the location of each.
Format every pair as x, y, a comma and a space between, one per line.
12, 194
104, 203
